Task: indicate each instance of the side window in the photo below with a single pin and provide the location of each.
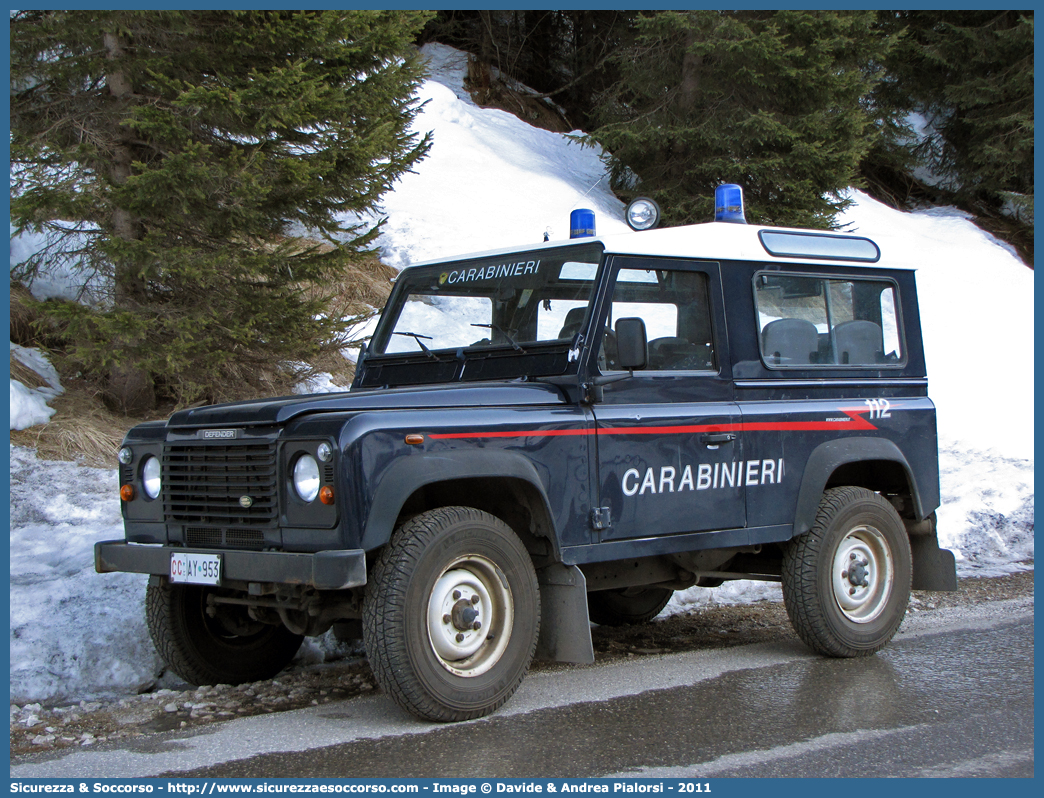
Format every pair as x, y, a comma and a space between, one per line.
890, 324
819, 321
675, 307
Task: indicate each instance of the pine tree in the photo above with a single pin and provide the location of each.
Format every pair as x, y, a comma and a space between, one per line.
773, 101
969, 76
183, 155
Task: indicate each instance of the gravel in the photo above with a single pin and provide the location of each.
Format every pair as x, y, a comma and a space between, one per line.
36, 728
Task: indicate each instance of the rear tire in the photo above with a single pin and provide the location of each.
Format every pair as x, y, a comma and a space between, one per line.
451, 614
846, 582
627, 606
230, 648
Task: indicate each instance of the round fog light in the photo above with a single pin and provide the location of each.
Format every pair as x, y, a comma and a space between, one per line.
126, 455
642, 214
325, 452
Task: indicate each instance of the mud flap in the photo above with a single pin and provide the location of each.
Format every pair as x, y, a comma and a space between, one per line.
933, 568
565, 629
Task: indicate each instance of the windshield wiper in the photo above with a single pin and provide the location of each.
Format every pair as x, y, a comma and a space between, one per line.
503, 332
417, 337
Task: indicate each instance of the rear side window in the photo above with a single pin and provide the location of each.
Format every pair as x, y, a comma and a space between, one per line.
807, 321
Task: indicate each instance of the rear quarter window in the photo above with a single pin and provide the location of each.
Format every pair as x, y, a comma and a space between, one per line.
808, 321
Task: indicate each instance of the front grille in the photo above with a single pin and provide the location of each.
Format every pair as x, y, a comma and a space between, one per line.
205, 484
216, 538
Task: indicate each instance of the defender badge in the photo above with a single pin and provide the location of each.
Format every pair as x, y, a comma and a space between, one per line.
220, 434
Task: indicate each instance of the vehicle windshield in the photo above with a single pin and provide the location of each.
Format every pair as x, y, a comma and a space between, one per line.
507, 301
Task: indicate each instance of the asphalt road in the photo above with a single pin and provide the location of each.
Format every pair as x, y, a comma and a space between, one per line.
951, 696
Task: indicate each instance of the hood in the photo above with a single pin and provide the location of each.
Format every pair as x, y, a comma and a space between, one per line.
261, 412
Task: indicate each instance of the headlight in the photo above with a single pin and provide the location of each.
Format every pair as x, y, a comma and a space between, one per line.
306, 477
150, 477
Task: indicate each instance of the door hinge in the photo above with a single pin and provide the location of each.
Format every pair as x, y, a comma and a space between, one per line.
601, 518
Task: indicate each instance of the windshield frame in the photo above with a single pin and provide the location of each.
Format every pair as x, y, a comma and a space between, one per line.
502, 356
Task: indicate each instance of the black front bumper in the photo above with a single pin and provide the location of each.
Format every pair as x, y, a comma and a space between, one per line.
324, 570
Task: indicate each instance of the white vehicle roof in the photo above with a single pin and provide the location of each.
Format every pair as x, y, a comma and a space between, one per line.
721, 241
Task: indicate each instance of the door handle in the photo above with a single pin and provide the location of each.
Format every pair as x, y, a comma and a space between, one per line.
714, 438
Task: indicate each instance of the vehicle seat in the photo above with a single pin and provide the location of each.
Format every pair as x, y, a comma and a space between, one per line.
674, 353
789, 342
574, 320
859, 342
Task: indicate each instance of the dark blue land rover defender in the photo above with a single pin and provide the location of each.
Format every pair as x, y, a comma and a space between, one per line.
539, 439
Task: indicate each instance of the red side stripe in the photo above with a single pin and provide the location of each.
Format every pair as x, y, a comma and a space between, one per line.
854, 413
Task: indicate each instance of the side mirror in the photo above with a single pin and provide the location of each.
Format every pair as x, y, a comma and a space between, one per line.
632, 344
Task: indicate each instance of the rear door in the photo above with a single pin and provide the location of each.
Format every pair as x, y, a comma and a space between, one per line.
669, 451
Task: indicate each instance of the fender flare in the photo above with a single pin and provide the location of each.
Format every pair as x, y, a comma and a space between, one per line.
408, 475
828, 457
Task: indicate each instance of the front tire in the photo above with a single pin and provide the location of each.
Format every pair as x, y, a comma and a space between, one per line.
627, 606
846, 582
452, 614
226, 648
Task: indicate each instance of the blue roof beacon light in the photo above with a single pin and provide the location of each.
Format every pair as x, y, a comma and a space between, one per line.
728, 204
581, 223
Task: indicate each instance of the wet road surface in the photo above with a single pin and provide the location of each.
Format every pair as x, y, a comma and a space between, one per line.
945, 700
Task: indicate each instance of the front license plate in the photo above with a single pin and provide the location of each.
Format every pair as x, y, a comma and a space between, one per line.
195, 569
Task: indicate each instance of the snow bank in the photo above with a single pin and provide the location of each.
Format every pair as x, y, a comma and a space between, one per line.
29, 405
320, 383
62, 277
741, 591
976, 300
38, 362
74, 633
986, 516
490, 180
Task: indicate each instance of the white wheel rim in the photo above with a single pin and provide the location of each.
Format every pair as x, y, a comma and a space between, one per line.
471, 591
862, 573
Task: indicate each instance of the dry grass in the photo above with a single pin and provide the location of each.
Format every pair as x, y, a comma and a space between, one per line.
29, 325
366, 285
363, 291
81, 430
25, 375
23, 313
340, 369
